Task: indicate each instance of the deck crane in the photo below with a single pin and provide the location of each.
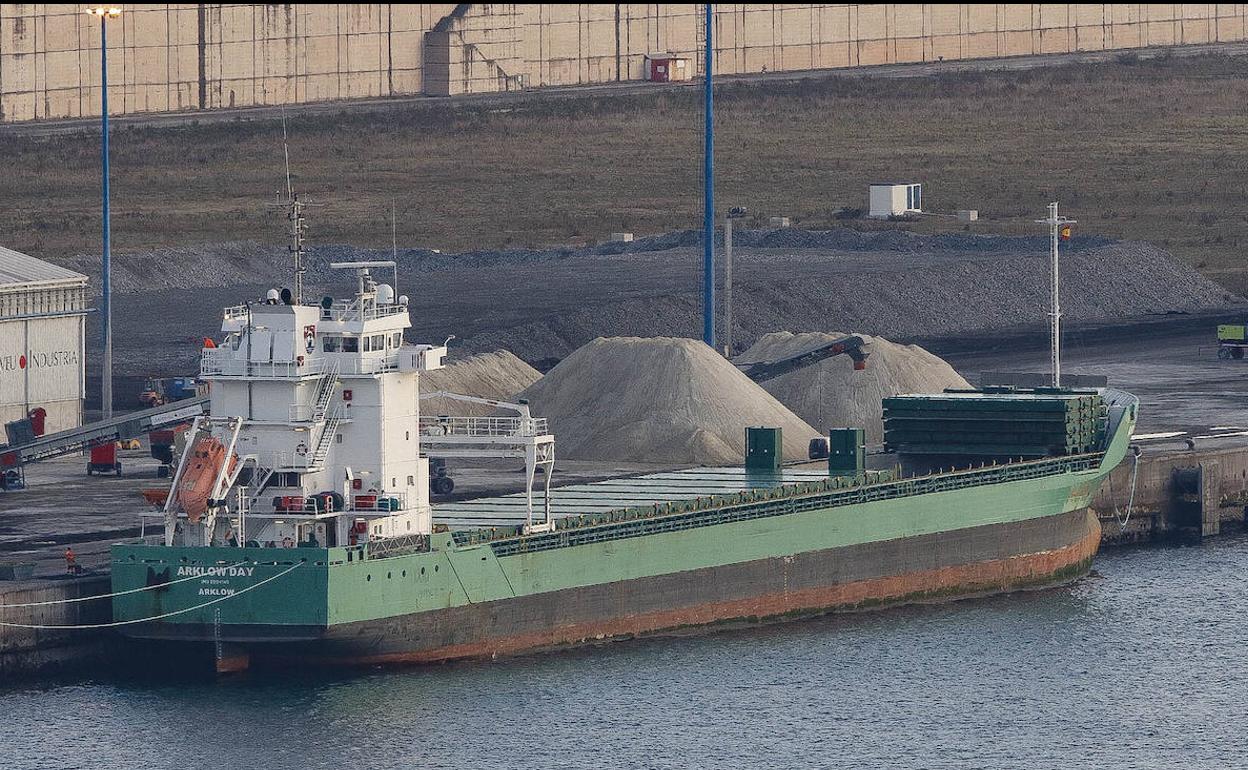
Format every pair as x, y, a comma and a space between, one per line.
524, 437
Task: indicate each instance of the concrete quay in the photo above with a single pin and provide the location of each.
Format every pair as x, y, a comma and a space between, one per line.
26, 651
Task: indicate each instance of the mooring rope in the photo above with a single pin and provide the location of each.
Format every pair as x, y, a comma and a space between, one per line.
1135, 470
122, 593
182, 611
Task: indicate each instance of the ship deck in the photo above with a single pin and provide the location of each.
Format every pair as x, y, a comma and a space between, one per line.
618, 494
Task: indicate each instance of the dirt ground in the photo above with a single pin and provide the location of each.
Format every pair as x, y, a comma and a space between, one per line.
1150, 150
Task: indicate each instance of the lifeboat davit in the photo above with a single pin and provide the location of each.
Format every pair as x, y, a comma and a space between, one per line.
208, 455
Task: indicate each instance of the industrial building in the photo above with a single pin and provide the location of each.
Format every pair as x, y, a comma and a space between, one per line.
172, 57
43, 311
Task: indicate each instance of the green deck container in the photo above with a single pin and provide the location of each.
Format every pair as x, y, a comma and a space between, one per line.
847, 451
764, 449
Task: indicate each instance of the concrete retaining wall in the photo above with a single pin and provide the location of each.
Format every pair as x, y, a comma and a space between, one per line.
25, 651
1192, 492
205, 56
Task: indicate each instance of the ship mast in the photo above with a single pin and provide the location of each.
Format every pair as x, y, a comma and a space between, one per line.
294, 215
1057, 225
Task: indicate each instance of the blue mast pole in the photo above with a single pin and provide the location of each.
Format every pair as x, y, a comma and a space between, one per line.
107, 372
708, 214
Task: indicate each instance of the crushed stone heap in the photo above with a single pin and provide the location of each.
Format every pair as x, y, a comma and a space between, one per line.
498, 375
830, 394
659, 400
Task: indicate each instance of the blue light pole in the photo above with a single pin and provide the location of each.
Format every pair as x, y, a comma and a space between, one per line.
708, 214
106, 375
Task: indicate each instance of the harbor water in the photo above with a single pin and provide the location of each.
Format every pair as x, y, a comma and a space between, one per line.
1143, 664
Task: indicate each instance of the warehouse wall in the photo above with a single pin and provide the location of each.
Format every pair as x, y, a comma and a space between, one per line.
202, 56
41, 365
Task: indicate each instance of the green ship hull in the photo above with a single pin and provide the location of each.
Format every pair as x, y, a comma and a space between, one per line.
794, 550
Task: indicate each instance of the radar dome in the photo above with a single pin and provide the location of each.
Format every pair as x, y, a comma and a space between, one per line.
385, 294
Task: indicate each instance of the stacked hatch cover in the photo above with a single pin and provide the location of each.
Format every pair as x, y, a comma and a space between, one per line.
996, 423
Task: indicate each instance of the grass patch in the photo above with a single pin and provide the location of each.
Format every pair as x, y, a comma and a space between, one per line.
1151, 150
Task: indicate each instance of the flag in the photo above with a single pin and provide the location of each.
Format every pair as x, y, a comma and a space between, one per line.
1065, 232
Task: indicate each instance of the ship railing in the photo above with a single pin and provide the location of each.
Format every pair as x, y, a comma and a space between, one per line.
369, 365
301, 412
341, 310
379, 502
763, 503
351, 310
235, 313
366, 502
484, 427
398, 546
226, 362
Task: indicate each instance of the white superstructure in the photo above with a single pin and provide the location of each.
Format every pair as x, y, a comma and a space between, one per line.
320, 406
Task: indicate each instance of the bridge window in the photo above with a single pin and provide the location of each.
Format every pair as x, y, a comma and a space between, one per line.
331, 343
350, 345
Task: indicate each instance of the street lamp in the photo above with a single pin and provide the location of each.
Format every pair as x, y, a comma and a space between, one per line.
737, 212
105, 12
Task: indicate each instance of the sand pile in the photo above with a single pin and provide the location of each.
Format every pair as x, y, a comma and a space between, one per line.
830, 394
661, 400
498, 375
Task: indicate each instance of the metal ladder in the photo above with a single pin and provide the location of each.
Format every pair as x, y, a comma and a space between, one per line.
324, 393
326, 439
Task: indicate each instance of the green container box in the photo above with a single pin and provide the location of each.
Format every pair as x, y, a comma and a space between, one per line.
847, 451
764, 449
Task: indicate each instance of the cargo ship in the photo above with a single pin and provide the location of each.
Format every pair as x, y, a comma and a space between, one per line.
298, 527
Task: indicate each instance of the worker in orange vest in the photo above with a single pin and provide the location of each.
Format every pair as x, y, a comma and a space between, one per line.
71, 562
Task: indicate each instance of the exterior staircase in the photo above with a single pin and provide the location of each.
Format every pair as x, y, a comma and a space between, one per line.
325, 392
325, 440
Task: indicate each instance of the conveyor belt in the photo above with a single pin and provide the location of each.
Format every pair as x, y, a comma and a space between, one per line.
852, 346
126, 426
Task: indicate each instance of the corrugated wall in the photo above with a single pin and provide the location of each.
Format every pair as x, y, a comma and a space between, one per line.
41, 364
193, 56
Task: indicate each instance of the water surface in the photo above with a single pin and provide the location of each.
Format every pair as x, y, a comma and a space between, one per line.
1144, 666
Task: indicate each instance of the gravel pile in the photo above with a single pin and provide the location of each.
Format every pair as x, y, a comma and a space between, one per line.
662, 400
896, 294
498, 375
234, 263
542, 305
830, 394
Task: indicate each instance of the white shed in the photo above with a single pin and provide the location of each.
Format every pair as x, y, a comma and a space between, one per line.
891, 199
42, 325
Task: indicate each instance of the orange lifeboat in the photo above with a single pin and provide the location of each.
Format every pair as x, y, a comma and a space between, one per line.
208, 455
